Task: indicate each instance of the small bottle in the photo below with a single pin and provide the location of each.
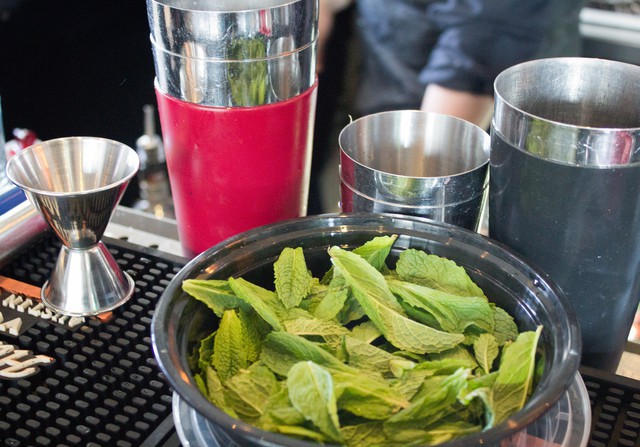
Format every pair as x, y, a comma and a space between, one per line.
153, 177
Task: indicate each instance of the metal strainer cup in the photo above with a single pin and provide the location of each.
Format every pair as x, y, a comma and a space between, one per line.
212, 52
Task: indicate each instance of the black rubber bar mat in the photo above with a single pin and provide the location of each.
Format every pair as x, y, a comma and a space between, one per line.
83, 381
615, 409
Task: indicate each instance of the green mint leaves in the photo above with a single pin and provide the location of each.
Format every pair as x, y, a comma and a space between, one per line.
368, 354
512, 385
293, 280
372, 292
312, 393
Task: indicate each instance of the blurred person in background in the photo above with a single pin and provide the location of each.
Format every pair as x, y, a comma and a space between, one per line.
436, 55
443, 55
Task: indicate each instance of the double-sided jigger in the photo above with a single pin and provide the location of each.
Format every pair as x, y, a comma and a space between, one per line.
76, 183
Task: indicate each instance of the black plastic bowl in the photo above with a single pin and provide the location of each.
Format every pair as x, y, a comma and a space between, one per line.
526, 293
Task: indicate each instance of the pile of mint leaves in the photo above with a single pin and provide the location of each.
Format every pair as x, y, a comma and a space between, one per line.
365, 355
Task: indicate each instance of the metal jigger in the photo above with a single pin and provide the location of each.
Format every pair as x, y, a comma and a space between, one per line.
76, 183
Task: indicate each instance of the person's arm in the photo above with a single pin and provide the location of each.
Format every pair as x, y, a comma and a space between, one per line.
473, 107
480, 39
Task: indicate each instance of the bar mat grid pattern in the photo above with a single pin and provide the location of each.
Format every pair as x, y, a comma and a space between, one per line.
103, 387
615, 409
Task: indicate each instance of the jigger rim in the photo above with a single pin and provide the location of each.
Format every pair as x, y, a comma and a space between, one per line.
135, 167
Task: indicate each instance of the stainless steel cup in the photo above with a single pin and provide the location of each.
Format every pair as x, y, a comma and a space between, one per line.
565, 187
231, 53
216, 24
75, 183
414, 163
192, 76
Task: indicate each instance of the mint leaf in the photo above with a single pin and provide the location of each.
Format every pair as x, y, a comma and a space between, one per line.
435, 272
292, 279
459, 354
515, 375
279, 411
365, 434
262, 300
486, 350
365, 356
229, 355
254, 330
370, 289
413, 378
453, 313
303, 325
399, 366
505, 329
374, 251
249, 391
433, 402
215, 294
200, 383
216, 391
449, 428
366, 331
449, 364
334, 299
282, 350
479, 388
312, 393
205, 351
367, 397
351, 312
410, 382
302, 432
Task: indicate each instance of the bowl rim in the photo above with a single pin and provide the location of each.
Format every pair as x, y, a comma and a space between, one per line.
548, 391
